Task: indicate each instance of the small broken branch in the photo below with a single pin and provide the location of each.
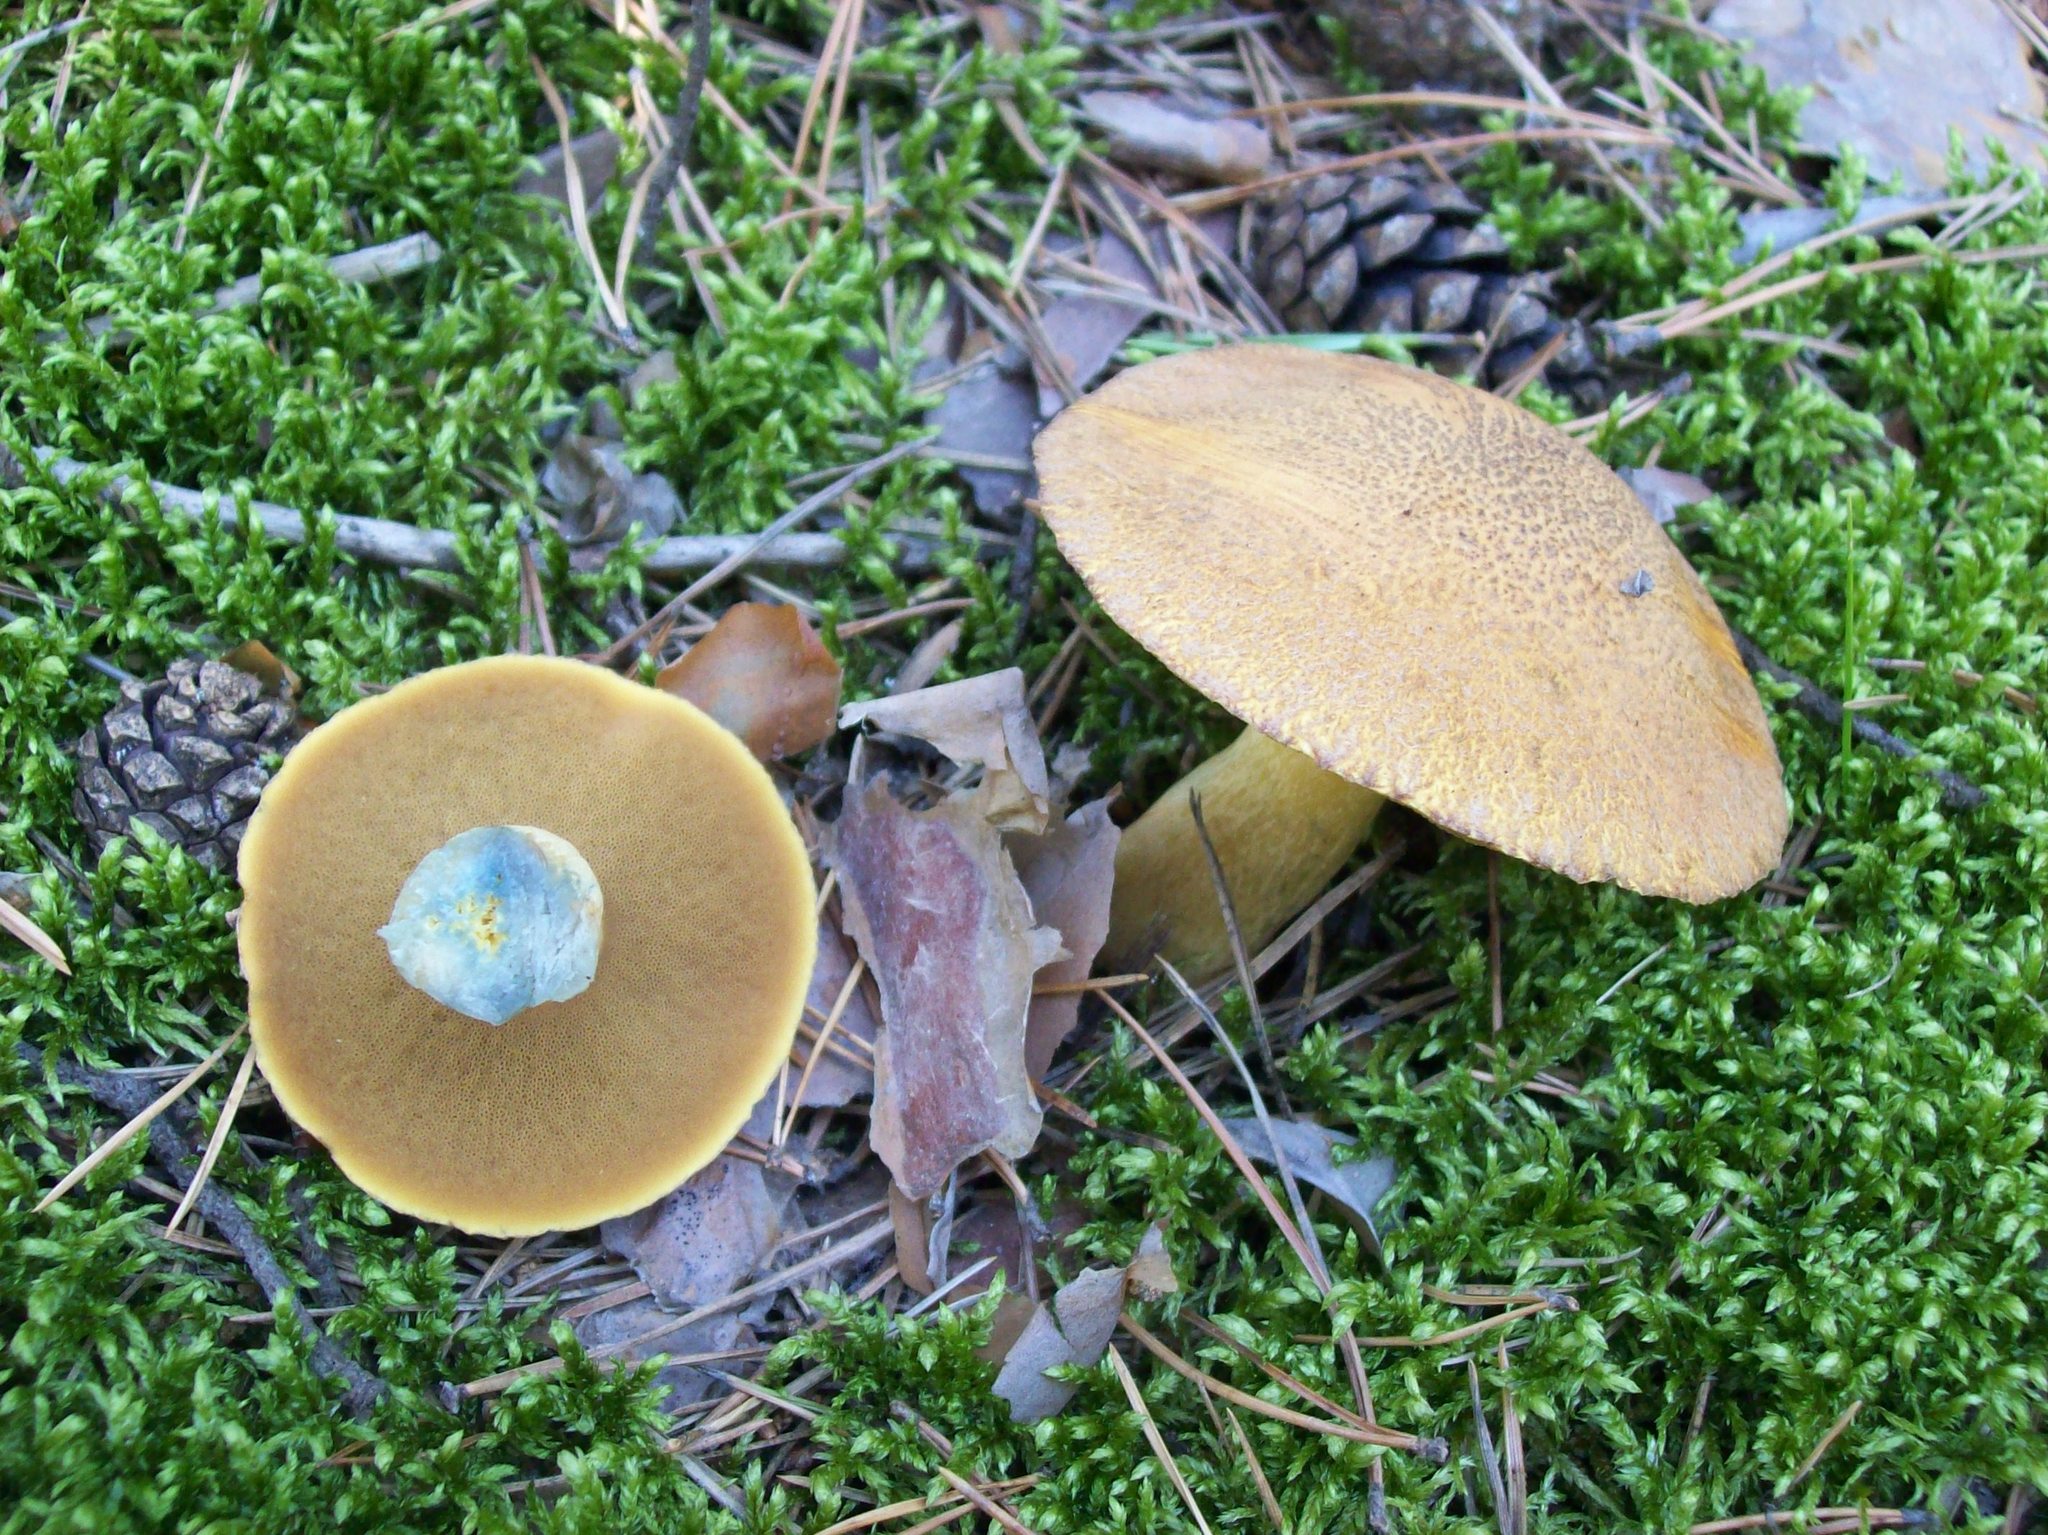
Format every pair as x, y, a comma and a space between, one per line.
661, 175
1957, 792
174, 1151
377, 542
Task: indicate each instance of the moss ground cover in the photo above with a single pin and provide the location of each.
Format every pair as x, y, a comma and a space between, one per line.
1787, 1149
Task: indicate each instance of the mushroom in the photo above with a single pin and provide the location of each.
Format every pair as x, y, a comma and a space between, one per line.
1407, 589
525, 942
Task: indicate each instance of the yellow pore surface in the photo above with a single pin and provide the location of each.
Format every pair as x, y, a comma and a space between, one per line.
1431, 592
571, 1112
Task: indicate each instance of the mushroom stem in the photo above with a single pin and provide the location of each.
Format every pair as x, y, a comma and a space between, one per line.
1282, 827
496, 920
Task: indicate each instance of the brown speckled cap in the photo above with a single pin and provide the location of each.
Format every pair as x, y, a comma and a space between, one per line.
1432, 593
571, 1112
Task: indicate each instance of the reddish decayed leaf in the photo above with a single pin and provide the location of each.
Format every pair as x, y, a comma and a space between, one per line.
764, 675
1067, 871
937, 910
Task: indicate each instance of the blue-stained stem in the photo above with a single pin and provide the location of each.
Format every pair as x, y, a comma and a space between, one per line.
496, 920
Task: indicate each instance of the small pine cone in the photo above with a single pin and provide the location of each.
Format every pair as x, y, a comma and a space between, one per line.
184, 756
1388, 251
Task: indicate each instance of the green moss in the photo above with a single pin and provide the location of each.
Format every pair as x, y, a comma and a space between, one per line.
1849, 1083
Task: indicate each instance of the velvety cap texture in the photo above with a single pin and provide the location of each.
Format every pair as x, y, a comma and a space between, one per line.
1431, 592
571, 1112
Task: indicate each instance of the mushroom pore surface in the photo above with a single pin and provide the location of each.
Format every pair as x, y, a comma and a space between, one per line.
573, 1111
1432, 593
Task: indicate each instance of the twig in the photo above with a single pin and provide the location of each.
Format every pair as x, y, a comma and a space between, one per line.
1878, 1519
172, 1150
748, 548
378, 542
1957, 792
660, 177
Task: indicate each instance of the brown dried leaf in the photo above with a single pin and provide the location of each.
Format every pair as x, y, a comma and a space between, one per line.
764, 675
704, 1240
938, 912
1357, 1187
1067, 871
1151, 1270
601, 497
1164, 135
1074, 1329
262, 663
982, 720
1892, 77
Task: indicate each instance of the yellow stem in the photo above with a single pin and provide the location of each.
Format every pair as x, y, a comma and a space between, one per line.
1282, 827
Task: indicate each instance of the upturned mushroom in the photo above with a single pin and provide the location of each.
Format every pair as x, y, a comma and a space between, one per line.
1407, 589
525, 942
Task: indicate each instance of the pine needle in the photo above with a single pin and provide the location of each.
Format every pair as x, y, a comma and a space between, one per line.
39, 942
138, 1124
218, 1139
1152, 1437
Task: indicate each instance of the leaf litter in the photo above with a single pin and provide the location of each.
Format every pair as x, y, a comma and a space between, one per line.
762, 673
1359, 1188
1072, 1329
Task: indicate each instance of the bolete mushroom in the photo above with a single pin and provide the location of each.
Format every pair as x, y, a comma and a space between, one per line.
525, 942
1407, 589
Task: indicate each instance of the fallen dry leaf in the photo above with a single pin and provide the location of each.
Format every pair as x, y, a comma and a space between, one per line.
980, 720
1151, 1270
1074, 1329
1357, 1187
686, 1383
764, 675
1084, 330
1666, 492
1892, 77
600, 496
990, 413
1164, 135
705, 1239
1067, 871
932, 901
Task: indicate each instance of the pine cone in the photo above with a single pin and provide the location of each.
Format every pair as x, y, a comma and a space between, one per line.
184, 755
1391, 252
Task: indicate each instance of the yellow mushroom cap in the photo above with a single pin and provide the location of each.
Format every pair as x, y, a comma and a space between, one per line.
571, 1112
1432, 593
